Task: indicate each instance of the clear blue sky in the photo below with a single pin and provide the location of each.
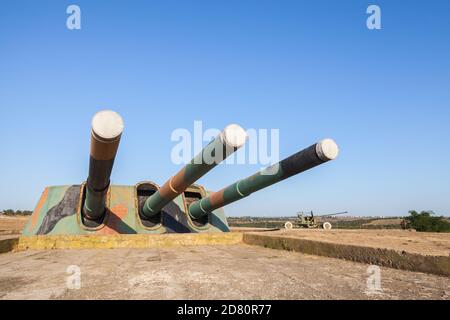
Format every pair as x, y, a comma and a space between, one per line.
309, 68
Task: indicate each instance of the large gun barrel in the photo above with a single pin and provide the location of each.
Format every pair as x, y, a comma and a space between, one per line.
308, 158
107, 127
228, 141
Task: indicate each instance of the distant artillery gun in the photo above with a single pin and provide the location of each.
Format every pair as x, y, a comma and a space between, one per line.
309, 222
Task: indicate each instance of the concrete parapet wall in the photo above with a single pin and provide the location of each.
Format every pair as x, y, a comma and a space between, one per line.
8, 244
117, 241
439, 265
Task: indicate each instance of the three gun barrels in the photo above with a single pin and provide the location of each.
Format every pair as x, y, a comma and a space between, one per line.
106, 131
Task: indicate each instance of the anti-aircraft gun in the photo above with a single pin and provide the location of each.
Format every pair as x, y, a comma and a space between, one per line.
310, 221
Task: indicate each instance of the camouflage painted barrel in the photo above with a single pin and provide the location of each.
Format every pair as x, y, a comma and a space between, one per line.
228, 141
107, 127
308, 158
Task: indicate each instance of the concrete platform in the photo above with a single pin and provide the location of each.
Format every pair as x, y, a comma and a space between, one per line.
404, 250
204, 272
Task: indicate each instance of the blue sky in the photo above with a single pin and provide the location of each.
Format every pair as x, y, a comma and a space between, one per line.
308, 68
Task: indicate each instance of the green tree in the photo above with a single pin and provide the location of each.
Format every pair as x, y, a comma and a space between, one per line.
11, 212
426, 222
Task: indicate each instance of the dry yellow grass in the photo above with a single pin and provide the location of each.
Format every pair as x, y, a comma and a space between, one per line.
12, 223
384, 222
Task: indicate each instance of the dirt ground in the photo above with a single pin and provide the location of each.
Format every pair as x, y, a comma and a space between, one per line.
425, 243
384, 222
11, 225
204, 272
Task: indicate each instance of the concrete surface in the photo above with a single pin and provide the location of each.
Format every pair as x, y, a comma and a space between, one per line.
9, 236
204, 272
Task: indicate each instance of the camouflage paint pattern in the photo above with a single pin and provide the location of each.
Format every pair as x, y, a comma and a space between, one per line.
101, 161
58, 212
214, 153
297, 163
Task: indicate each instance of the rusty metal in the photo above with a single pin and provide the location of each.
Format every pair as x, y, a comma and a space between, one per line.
308, 158
107, 127
228, 141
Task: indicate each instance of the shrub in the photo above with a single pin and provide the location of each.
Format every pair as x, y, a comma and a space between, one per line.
10, 212
426, 222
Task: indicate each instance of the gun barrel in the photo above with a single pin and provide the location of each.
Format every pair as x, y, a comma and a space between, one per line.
332, 214
308, 158
107, 128
228, 141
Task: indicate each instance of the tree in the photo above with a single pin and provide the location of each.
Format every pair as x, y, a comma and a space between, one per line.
11, 212
426, 222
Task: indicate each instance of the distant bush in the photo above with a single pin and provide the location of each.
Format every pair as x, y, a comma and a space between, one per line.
10, 212
426, 222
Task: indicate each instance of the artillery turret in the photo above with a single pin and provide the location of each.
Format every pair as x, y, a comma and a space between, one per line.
179, 206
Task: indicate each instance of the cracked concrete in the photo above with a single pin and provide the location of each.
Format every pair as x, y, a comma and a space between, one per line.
204, 272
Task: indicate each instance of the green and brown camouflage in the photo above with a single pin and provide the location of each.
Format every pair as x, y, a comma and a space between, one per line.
59, 212
228, 141
96, 207
106, 130
310, 221
308, 158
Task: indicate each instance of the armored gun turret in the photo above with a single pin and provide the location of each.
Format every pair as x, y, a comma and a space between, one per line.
178, 206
